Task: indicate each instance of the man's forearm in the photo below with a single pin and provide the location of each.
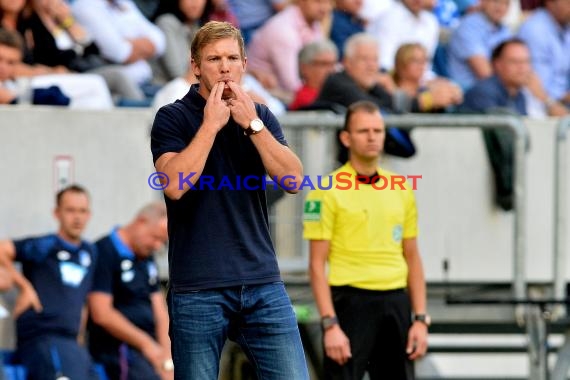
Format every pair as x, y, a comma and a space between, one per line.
124, 330
188, 165
161, 321
19, 279
142, 48
322, 293
417, 285
279, 161
319, 251
6, 280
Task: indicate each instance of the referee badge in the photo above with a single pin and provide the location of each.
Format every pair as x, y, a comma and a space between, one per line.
397, 233
312, 211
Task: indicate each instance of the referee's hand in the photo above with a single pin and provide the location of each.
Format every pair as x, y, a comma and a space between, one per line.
337, 345
417, 340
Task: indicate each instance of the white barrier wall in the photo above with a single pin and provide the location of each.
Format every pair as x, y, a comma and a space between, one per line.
109, 153
457, 217
110, 156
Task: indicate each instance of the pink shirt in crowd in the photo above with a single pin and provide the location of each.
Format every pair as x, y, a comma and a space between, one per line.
275, 46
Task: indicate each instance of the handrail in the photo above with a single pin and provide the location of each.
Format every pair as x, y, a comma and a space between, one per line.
303, 119
560, 206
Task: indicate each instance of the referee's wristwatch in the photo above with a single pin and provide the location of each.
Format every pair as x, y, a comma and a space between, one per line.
328, 321
423, 318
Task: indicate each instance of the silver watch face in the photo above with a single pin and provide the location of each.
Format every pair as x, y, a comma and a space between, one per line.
256, 125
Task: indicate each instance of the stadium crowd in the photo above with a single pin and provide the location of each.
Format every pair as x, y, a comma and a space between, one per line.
105, 53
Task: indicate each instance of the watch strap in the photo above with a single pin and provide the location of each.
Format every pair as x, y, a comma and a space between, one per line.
423, 318
328, 321
249, 131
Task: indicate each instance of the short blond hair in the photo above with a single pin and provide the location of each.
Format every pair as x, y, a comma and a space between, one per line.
215, 31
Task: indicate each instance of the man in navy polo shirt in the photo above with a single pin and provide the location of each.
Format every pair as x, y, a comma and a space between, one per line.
57, 275
224, 278
128, 329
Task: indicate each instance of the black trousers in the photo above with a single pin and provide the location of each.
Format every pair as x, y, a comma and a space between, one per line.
377, 324
500, 149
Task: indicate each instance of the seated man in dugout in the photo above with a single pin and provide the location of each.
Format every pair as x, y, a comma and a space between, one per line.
57, 274
128, 327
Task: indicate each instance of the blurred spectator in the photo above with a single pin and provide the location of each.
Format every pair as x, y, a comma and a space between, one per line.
57, 40
405, 21
77, 90
252, 14
147, 7
12, 92
346, 22
504, 90
122, 34
447, 14
174, 90
317, 60
272, 54
12, 18
57, 274
219, 10
86, 91
410, 66
473, 41
514, 15
547, 34
128, 326
372, 9
361, 80
10, 56
11, 13
512, 69
530, 5
467, 6
179, 20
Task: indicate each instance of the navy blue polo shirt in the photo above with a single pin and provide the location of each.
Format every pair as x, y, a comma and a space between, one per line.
130, 281
217, 238
62, 275
491, 93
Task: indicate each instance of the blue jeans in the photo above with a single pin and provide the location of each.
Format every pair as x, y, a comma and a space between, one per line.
260, 318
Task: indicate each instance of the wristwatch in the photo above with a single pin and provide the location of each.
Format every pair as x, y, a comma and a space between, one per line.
255, 126
327, 322
423, 318
168, 365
